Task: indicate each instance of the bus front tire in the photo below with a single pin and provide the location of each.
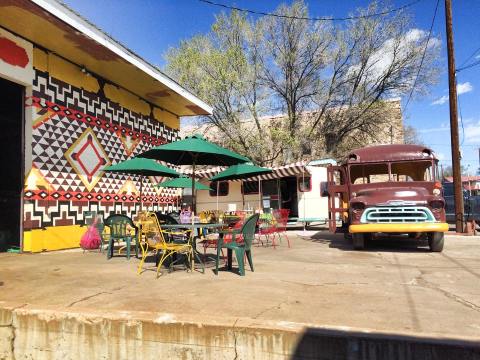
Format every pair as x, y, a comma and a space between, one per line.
435, 241
358, 240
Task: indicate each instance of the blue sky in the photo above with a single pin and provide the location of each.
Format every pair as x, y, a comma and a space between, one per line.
150, 27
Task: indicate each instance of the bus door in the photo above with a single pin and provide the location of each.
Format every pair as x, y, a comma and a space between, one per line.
337, 195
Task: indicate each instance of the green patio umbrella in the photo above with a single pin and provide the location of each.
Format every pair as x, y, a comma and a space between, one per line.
240, 172
142, 167
194, 150
184, 183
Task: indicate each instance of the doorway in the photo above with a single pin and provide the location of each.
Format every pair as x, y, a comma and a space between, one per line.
11, 160
288, 188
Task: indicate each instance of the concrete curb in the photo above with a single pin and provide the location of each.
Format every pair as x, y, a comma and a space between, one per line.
27, 332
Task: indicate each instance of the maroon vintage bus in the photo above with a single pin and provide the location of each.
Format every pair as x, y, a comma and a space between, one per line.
388, 189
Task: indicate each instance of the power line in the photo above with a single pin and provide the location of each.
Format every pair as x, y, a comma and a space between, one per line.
471, 56
386, 12
423, 57
448, 144
468, 66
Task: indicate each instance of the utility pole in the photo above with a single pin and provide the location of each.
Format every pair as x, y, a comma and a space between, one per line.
452, 86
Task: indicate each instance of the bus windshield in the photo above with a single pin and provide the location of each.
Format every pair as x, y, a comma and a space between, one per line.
412, 171
396, 172
369, 173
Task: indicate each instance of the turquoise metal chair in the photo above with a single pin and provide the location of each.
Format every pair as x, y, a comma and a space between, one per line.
241, 243
118, 225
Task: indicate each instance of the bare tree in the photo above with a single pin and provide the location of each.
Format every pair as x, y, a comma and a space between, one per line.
411, 136
375, 58
223, 67
293, 58
330, 81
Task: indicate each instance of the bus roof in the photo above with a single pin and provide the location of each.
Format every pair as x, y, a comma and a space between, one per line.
395, 152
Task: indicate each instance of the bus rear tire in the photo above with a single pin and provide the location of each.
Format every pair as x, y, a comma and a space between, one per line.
435, 241
358, 241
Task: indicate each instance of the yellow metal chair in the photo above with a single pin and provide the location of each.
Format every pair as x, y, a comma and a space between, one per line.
153, 241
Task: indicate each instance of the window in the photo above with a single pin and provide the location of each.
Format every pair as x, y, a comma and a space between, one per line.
250, 187
412, 171
323, 188
369, 173
304, 184
222, 188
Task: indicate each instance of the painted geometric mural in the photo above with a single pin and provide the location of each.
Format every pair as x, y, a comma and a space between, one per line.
87, 157
75, 135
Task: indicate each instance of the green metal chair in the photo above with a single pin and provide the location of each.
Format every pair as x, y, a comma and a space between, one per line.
118, 225
241, 243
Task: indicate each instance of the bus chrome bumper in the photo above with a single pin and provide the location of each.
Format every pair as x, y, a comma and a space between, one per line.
399, 228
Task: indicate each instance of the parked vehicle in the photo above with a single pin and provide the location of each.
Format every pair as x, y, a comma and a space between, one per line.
388, 189
471, 204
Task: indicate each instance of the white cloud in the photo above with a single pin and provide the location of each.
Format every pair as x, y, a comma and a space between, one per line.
462, 88
441, 156
440, 101
441, 128
472, 131
381, 60
477, 57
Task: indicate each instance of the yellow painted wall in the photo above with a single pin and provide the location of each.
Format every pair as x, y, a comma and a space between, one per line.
72, 74
126, 99
64, 70
167, 118
53, 238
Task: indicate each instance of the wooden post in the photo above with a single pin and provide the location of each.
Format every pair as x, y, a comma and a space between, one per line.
452, 87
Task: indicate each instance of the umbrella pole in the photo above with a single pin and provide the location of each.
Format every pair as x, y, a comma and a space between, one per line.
193, 187
279, 195
259, 195
243, 194
304, 201
141, 185
216, 183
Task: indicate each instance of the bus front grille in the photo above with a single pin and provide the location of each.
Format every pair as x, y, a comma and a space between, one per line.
397, 214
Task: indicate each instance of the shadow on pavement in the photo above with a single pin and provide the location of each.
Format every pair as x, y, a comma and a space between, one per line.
387, 243
335, 344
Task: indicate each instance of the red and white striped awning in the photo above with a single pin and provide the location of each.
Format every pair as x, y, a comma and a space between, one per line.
294, 169
204, 173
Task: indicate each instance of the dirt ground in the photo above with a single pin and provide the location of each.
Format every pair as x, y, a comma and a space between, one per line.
396, 285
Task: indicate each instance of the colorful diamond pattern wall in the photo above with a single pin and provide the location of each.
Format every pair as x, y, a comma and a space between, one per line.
87, 157
75, 134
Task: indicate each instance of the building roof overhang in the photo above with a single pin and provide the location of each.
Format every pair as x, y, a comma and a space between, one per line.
54, 27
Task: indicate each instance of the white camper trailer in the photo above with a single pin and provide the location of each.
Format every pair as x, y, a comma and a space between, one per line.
299, 187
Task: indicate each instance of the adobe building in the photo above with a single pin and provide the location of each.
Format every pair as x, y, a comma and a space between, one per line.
72, 101
389, 130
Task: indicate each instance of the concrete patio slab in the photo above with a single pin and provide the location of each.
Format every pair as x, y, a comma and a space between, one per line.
395, 287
